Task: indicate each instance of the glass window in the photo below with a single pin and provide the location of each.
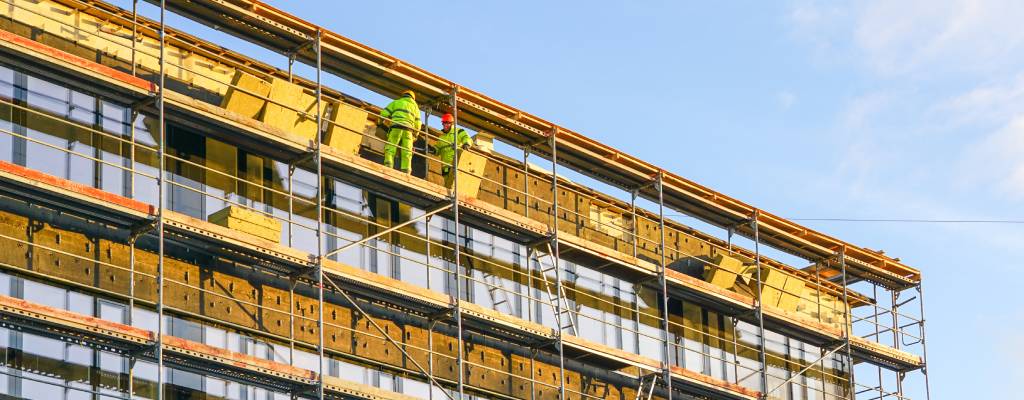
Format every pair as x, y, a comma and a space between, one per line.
48, 96
111, 362
82, 108
44, 294
81, 303
111, 311
215, 337
44, 154
185, 382
79, 355
144, 319
185, 329
6, 116
5, 285
42, 346
40, 386
215, 387
115, 152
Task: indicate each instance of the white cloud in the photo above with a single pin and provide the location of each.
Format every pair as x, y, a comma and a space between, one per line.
906, 38
786, 99
998, 101
863, 109
997, 161
927, 52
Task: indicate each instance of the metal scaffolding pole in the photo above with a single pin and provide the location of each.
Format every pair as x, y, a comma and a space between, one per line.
460, 358
526, 181
633, 194
848, 321
131, 307
319, 225
878, 336
924, 345
896, 342
558, 265
759, 309
160, 209
135, 34
666, 362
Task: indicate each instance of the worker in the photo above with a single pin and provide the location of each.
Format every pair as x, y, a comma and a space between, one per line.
451, 138
402, 118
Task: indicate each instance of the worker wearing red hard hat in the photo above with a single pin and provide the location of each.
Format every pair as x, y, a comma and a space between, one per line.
451, 138
402, 118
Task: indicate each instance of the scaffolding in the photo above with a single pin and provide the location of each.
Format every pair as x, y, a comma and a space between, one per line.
886, 331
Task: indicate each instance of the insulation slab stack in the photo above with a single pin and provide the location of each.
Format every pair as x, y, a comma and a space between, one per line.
251, 222
282, 112
723, 271
247, 95
824, 307
779, 289
472, 167
348, 128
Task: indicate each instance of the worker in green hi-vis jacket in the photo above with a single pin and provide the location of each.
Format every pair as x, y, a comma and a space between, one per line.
402, 118
451, 138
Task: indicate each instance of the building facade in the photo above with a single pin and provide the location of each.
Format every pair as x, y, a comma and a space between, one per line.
172, 205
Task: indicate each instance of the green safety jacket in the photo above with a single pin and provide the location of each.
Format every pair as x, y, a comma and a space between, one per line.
447, 142
404, 112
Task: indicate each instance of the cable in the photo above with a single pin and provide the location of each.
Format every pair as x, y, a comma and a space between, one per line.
938, 221
903, 220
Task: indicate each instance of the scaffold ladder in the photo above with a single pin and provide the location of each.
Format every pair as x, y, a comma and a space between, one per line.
558, 301
498, 293
646, 389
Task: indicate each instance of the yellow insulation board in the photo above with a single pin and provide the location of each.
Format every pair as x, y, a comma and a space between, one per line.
251, 222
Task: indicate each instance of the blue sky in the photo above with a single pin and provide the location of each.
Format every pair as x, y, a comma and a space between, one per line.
873, 109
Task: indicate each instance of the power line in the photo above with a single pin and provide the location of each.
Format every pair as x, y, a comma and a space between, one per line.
937, 221
899, 220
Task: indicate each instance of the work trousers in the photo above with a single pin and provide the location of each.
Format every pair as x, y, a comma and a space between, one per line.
400, 140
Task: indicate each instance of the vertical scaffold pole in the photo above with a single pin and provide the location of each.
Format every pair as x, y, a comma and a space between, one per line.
558, 265
135, 33
319, 225
161, 175
633, 194
430, 330
878, 337
132, 114
894, 310
526, 181
460, 360
924, 345
663, 282
848, 321
760, 309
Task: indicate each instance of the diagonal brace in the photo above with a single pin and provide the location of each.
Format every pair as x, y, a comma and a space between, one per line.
386, 335
387, 231
809, 365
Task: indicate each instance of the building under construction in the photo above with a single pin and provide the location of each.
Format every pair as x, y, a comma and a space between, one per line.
171, 205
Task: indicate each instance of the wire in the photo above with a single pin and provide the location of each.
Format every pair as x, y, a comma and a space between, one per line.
898, 220
936, 221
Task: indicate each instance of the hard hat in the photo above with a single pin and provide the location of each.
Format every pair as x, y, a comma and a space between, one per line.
447, 118
409, 93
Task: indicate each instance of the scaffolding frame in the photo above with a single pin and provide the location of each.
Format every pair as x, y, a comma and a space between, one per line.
456, 313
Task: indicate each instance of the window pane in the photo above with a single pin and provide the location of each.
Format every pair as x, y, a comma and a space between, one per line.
44, 294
